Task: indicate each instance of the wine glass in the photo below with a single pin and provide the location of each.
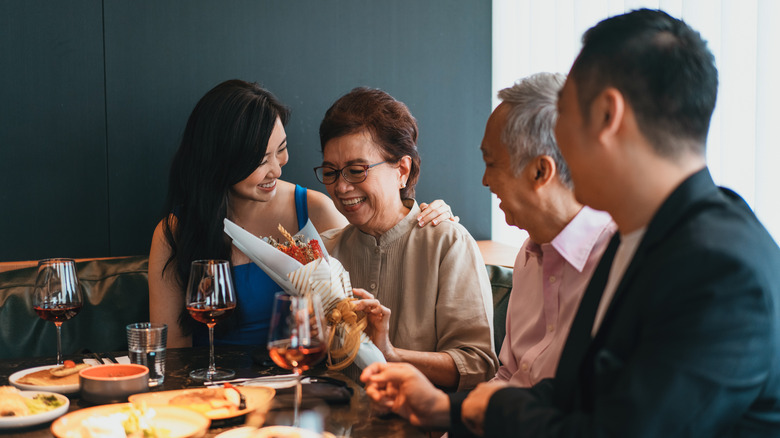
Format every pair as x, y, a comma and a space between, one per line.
57, 296
296, 338
210, 298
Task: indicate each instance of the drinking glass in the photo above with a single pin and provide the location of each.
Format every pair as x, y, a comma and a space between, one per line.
146, 345
210, 298
57, 297
296, 338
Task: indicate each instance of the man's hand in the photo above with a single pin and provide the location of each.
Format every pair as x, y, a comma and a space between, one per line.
472, 411
435, 213
403, 389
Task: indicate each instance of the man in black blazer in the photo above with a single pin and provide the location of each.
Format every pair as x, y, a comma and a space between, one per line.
678, 333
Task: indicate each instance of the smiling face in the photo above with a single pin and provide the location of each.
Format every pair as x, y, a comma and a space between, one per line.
374, 205
514, 191
260, 185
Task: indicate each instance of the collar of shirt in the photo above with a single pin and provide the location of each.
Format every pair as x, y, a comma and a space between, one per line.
576, 241
400, 229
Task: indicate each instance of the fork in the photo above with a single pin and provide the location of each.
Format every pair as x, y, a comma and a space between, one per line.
109, 358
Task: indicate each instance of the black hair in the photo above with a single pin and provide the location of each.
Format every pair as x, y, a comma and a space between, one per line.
662, 67
224, 141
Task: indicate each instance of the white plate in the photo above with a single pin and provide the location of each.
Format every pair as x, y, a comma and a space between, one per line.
60, 389
257, 397
272, 431
43, 417
180, 422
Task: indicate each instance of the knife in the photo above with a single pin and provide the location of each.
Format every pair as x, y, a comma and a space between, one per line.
97, 358
251, 379
110, 357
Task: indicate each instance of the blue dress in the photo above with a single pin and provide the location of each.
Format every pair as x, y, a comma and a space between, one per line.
255, 295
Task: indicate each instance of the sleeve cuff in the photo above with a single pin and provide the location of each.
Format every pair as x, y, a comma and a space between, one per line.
457, 428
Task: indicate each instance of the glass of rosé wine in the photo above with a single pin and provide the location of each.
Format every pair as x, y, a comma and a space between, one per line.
210, 298
296, 338
57, 297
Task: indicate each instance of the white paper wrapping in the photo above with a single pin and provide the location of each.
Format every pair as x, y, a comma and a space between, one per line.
325, 277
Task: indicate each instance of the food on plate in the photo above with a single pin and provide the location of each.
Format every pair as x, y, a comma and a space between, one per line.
66, 374
297, 247
131, 422
68, 368
13, 404
212, 402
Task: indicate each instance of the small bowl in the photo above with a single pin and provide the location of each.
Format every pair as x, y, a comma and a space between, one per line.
112, 383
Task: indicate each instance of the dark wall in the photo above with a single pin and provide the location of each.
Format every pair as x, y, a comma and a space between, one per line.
95, 96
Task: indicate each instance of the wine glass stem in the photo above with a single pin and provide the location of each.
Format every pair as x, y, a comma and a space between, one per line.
59, 342
298, 397
212, 368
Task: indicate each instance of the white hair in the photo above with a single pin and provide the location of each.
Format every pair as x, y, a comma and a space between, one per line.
530, 122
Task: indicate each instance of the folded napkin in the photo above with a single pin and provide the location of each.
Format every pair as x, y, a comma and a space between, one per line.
122, 359
325, 277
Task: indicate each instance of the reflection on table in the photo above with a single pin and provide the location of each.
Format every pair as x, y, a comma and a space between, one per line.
353, 417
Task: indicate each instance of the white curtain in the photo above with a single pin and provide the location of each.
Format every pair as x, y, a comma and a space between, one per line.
742, 148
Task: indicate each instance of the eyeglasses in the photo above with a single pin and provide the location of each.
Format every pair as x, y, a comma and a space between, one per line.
353, 174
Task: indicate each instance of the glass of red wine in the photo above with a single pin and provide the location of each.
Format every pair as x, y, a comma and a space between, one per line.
210, 298
296, 338
57, 296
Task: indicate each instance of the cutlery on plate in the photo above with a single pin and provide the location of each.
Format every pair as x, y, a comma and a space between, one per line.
107, 359
250, 379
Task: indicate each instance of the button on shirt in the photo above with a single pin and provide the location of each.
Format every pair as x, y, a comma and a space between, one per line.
548, 283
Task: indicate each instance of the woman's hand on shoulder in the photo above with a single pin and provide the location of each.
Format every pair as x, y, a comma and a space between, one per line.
435, 213
323, 213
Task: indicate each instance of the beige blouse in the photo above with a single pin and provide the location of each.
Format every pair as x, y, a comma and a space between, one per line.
434, 281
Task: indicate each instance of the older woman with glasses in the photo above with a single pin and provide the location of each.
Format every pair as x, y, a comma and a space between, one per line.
425, 290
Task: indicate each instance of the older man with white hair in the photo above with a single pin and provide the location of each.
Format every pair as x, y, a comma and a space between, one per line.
524, 168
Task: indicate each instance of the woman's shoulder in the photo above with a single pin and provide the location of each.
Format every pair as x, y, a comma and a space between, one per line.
318, 198
170, 222
445, 229
336, 234
322, 212
445, 237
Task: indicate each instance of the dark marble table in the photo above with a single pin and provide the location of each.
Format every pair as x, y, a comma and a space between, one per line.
353, 418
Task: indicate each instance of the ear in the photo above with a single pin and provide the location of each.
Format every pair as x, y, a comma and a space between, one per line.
607, 114
404, 169
541, 170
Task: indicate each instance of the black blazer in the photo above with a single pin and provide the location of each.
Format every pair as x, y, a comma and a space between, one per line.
690, 345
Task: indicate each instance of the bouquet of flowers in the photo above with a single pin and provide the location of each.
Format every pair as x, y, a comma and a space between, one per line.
301, 265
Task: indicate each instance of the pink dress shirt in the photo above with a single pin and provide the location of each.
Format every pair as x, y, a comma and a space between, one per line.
547, 284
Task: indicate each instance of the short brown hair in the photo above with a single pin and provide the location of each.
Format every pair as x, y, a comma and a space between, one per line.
389, 122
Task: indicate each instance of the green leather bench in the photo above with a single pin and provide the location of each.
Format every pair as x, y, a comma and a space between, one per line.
116, 293
501, 284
